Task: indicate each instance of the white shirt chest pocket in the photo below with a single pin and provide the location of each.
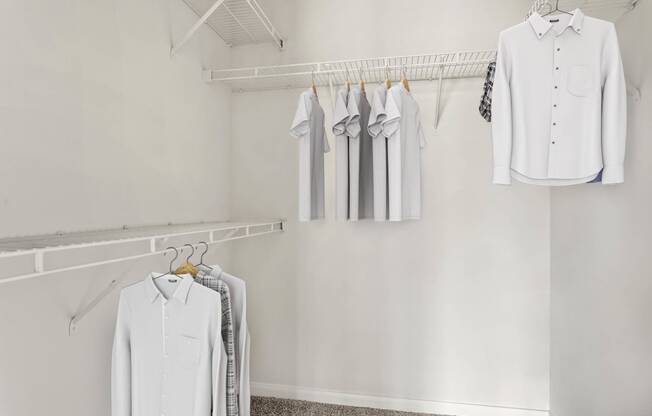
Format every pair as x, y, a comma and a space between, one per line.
580, 81
188, 350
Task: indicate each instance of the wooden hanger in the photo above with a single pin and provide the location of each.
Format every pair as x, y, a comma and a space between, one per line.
187, 267
314, 86
361, 80
388, 81
404, 80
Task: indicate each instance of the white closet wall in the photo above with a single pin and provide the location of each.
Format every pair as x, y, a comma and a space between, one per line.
100, 128
601, 267
454, 307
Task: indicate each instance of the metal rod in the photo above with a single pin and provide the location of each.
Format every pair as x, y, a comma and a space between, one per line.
72, 326
196, 26
438, 102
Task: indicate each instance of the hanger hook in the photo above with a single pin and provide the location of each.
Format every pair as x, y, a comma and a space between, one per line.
192, 252
201, 259
176, 255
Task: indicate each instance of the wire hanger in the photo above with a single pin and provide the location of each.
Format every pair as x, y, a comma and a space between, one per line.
404, 80
201, 259
187, 267
314, 91
557, 10
176, 255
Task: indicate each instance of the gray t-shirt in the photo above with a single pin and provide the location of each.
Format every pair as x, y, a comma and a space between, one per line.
358, 98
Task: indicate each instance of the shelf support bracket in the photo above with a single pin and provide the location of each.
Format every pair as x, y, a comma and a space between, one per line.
77, 317
195, 27
438, 98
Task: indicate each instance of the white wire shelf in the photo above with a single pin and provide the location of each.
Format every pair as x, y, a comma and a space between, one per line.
606, 9
37, 256
433, 66
237, 22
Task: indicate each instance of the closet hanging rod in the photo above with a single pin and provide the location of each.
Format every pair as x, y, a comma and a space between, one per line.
152, 240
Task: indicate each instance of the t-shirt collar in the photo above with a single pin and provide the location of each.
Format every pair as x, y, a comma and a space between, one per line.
541, 26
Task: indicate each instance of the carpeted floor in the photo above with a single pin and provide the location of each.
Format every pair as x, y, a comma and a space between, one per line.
268, 406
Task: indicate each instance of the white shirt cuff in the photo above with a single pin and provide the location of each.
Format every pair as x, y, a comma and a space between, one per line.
613, 174
502, 175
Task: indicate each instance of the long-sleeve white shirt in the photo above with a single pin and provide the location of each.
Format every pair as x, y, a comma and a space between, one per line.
559, 102
168, 351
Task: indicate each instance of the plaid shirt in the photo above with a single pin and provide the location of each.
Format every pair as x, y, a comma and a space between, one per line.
219, 286
485, 101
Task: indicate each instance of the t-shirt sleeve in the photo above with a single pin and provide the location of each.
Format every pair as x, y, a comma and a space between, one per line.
377, 115
353, 124
301, 123
393, 112
340, 115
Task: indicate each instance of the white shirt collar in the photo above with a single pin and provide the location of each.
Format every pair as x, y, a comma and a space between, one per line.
541, 26
181, 292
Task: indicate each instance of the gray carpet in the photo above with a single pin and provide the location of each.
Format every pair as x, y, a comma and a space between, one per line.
268, 406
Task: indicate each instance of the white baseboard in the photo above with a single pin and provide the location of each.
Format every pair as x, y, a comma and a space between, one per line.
406, 405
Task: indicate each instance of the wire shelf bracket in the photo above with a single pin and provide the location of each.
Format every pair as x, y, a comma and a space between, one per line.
237, 22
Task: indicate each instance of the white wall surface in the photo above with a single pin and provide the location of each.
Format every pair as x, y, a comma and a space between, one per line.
99, 125
99, 128
601, 362
454, 307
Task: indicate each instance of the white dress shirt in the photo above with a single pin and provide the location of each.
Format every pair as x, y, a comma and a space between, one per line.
167, 351
559, 102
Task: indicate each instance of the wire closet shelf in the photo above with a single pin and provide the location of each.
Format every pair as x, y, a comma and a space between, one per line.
426, 67
35, 256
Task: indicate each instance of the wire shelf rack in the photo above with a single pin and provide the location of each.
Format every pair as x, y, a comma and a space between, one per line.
596, 6
237, 22
434, 66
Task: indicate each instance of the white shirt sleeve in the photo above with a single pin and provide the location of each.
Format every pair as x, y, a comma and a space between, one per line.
340, 115
121, 362
218, 365
353, 123
301, 123
501, 117
393, 112
614, 112
377, 115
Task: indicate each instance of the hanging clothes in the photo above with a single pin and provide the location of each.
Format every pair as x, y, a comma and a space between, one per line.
353, 132
405, 139
559, 102
360, 157
238, 291
340, 120
205, 279
168, 350
308, 128
485, 100
379, 150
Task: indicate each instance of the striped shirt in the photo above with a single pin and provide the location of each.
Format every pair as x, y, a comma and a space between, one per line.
219, 286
